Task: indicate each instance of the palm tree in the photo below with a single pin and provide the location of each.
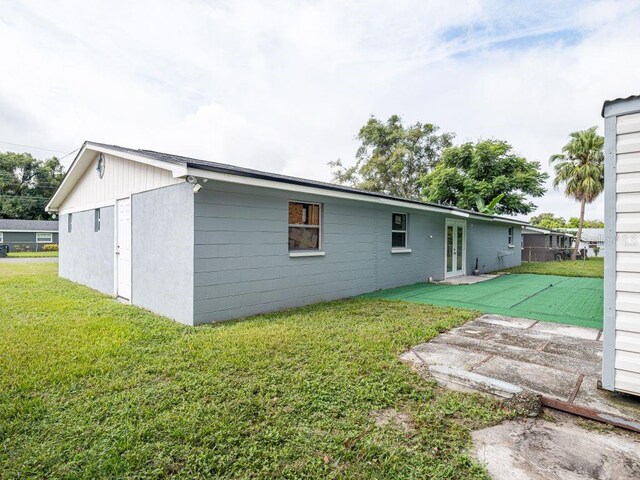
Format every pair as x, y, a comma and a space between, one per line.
581, 169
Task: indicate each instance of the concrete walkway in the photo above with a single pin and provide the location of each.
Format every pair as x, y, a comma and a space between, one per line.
493, 354
523, 361
557, 448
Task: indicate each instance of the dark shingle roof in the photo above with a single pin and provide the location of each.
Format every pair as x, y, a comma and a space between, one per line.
26, 225
248, 172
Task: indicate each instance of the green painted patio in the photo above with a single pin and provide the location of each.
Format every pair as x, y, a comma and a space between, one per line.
570, 300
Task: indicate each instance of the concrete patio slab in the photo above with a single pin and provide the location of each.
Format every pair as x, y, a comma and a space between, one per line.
559, 449
467, 279
558, 362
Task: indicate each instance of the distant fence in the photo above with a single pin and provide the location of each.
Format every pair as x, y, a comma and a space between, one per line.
547, 254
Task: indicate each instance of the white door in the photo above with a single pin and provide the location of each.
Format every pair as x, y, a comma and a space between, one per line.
455, 255
123, 249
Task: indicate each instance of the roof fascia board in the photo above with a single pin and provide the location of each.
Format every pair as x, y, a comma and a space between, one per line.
621, 107
83, 160
259, 182
176, 169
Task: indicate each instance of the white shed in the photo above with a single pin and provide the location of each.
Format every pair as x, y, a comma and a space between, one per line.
621, 340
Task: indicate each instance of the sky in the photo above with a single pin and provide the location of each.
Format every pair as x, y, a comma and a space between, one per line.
285, 86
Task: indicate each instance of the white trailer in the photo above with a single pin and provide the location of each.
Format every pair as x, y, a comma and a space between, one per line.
621, 337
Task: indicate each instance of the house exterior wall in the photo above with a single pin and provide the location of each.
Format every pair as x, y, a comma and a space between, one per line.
162, 245
121, 178
86, 256
621, 341
25, 239
243, 266
489, 243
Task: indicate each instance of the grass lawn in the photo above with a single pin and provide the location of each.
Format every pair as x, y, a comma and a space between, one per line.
90, 388
592, 267
32, 254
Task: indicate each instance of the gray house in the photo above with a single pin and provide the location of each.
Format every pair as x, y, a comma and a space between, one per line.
28, 235
200, 241
544, 245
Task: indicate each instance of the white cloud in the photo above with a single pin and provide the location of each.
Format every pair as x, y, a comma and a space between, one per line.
285, 86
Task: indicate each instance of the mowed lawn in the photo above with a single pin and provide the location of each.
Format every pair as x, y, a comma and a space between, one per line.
592, 267
33, 254
90, 388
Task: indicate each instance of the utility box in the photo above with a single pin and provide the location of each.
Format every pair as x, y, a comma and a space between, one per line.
621, 336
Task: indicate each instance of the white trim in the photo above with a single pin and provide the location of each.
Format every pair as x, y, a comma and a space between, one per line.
44, 241
306, 253
84, 158
405, 231
294, 225
400, 250
1, 237
85, 208
454, 222
281, 185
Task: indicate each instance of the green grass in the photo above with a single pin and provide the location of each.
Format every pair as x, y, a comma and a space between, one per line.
90, 388
32, 254
592, 267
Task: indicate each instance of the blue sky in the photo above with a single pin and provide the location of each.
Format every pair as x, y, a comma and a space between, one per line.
285, 86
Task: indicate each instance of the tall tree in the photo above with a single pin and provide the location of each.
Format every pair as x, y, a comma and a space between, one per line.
485, 170
392, 158
27, 184
580, 168
548, 220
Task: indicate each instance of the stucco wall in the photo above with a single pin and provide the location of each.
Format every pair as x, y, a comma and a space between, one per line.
489, 243
162, 246
87, 256
242, 262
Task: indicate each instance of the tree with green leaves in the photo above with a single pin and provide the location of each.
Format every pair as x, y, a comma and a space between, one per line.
27, 184
392, 157
574, 222
580, 168
485, 170
548, 220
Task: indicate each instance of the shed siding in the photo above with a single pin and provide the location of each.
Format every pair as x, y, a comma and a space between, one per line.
626, 359
121, 178
243, 267
162, 251
87, 256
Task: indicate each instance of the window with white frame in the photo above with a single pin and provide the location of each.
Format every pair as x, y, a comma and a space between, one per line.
304, 226
96, 220
510, 241
398, 230
44, 237
1, 237
70, 223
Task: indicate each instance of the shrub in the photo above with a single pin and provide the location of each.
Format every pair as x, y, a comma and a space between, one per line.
21, 248
50, 247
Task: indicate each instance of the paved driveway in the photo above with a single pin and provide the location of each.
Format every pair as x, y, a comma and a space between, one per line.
29, 260
570, 300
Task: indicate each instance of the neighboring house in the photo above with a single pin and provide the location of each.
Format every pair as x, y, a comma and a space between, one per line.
591, 237
200, 241
28, 235
544, 245
621, 333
